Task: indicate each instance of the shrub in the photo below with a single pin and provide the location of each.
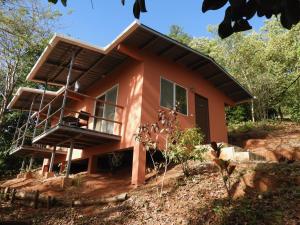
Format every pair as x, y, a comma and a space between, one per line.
187, 147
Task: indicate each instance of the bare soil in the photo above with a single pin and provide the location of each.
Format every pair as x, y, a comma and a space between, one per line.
263, 193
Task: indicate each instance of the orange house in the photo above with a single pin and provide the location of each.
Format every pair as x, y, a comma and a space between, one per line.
106, 93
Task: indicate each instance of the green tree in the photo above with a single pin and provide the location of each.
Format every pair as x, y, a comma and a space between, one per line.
25, 29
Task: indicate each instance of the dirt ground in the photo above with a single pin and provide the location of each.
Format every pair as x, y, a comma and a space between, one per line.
264, 193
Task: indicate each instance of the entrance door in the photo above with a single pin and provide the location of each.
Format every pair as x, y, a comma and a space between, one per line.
106, 111
202, 116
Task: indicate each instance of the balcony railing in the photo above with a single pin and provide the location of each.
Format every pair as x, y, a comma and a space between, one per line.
23, 138
54, 113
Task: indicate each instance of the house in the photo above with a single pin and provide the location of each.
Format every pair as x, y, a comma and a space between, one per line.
106, 93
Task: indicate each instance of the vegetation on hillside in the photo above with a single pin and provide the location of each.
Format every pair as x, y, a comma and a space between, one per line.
25, 29
266, 62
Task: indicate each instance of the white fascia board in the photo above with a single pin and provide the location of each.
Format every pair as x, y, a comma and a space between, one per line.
58, 37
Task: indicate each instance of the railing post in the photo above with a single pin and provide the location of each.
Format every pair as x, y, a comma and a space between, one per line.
28, 120
17, 127
69, 159
30, 163
66, 88
47, 119
23, 165
52, 159
40, 107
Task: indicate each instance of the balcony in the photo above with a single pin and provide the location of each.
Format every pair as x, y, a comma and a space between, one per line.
22, 145
78, 118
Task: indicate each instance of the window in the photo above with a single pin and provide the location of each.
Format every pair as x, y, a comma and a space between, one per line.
172, 95
106, 111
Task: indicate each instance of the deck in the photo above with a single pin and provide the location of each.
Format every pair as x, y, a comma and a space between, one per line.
36, 151
62, 135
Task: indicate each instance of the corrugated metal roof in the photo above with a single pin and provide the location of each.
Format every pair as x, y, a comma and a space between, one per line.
93, 63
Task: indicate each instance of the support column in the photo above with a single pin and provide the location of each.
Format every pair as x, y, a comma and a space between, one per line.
69, 159
52, 159
40, 108
92, 166
31, 163
138, 165
66, 88
23, 165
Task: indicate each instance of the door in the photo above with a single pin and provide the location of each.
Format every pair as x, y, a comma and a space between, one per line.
202, 116
106, 111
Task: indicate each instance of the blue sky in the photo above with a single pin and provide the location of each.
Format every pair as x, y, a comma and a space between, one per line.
101, 23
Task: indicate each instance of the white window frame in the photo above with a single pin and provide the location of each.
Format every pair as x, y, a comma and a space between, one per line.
174, 95
104, 93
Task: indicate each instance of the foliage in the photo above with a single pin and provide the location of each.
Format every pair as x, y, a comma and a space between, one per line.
265, 62
176, 145
177, 33
225, 166
187, 147
237, 13
237, 114
159, 136
243, 127
25, 28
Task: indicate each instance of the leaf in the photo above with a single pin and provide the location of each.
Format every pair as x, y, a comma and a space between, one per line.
213, 4
136, 10
53, 1
64, 2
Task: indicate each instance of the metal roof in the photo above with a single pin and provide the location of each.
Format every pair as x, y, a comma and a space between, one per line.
93, 63
24, 97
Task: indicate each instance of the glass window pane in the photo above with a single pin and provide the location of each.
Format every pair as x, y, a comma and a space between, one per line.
166, 94
181, 100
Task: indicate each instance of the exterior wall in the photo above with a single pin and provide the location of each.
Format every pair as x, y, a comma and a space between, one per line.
194, 83
139, 93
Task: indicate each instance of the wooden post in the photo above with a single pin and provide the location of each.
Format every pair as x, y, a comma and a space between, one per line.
40, 107
47, 119
66, 88
31, 163
52, 159
6, 193
28, 120
36, 199
69, 160
13, 195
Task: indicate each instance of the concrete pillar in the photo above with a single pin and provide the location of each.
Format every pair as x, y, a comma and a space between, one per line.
69, 159
52, 159
138, 165
92, 166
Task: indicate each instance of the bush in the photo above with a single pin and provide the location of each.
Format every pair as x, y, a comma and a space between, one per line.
187, 147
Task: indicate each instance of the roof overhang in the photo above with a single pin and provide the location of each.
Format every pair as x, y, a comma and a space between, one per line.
93, 63
25, 96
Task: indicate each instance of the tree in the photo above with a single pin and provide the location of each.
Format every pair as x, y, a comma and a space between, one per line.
265, 62
25, 29
238, 13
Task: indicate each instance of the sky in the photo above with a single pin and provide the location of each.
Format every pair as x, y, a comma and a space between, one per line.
102, 21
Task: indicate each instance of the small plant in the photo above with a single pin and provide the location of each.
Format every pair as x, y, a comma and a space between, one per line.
159, 136
187, 147
225, 166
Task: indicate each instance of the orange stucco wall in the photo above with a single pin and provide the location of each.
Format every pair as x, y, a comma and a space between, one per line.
193, 83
